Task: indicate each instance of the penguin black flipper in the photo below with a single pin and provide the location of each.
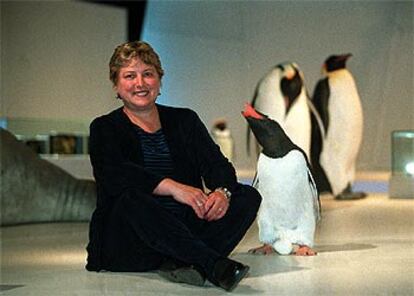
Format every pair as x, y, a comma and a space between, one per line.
315, 194
255, 181
320, 101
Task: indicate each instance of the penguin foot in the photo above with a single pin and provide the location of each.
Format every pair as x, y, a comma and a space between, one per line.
304, 251
263, 250
348, 194
351, 195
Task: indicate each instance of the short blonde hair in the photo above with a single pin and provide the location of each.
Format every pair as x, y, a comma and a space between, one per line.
125, 52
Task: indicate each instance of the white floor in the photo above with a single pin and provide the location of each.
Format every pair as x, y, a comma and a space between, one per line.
366, 247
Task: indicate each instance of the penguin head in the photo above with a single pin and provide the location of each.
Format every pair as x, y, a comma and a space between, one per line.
291, 84
268, 132
336, 62
220, 124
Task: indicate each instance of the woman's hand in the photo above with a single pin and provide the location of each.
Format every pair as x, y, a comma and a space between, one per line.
192, 196
216, 206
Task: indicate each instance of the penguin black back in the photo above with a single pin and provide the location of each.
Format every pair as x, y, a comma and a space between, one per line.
320, 99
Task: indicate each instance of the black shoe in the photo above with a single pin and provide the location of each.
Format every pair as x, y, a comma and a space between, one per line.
178, 273
228, 273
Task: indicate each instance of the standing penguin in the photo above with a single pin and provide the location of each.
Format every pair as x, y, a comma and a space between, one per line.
334, 155
222, 136
290, 208
281, 95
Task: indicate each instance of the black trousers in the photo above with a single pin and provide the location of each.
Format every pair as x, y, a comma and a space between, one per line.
140, 234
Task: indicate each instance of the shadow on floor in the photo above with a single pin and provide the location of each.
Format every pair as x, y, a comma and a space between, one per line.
9, 287
152, 279
270, 264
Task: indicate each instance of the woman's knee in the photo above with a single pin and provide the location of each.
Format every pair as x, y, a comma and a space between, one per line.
247, 197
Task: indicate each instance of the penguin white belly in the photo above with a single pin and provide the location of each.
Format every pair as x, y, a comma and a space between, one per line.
297, 124
269, 99
286, 215
344, 135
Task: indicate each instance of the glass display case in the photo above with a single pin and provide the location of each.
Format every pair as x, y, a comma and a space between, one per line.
402, 164
62, 142
48, 136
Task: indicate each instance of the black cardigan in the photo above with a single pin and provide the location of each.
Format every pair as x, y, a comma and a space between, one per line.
117, 162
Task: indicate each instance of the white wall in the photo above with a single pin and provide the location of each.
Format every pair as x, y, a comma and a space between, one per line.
54, 61
215, 52
54, 58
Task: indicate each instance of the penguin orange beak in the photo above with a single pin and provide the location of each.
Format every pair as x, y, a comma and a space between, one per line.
249, 111
345, 57
324, 69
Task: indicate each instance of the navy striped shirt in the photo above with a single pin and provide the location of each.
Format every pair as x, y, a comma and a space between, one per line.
157, 159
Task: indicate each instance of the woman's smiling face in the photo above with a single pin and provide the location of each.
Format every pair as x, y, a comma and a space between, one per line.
138, 85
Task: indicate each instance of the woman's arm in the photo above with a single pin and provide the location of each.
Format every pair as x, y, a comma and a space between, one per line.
114, 172
192, 196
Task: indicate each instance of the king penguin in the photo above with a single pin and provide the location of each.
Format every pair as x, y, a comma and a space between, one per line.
290, 208
281, 95
338, 103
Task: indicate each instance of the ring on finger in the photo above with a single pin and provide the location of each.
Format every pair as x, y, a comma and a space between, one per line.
199, 204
